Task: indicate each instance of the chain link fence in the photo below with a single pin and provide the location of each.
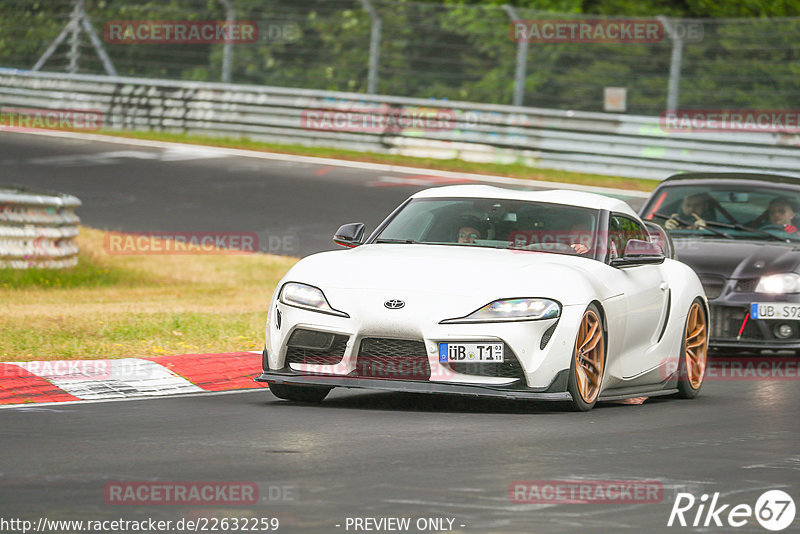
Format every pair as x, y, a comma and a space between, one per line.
476, 53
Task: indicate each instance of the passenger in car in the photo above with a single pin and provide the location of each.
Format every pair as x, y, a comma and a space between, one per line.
782, 213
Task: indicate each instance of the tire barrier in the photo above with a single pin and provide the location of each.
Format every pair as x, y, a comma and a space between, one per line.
37, 229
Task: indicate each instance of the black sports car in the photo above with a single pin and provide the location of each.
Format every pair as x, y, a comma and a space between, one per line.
740, 234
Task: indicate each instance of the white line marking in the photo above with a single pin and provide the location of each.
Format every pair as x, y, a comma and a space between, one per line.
381, 167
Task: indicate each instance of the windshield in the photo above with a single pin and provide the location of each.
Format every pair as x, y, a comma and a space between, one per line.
492, 223
730, 211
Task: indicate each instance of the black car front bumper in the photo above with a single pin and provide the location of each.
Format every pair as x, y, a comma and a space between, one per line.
730, 327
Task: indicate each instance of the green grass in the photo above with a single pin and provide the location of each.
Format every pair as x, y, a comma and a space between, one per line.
88, 273
113, 306
515, 170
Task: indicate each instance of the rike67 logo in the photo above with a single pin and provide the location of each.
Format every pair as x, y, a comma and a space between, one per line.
774, 510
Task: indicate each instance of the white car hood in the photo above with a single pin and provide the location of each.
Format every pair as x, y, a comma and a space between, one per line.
475, 272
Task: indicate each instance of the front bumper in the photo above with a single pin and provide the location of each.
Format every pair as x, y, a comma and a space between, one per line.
538, 350
556, 391
729, 301
731, 327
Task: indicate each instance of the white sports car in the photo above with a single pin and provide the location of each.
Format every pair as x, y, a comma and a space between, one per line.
483, 291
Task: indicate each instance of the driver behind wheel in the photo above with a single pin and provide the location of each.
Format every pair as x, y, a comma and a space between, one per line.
695, 209
782, 213
581, 234
471, 228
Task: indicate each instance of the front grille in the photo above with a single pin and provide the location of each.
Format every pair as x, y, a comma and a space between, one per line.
510, 368
725, 322
329, 356
400, 359
747, 286
712, 285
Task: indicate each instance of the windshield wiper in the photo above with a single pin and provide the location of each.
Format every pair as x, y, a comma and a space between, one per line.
684, 223
736, 226
744, 228
403, 241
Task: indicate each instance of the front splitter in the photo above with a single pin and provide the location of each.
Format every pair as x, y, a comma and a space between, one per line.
413, 386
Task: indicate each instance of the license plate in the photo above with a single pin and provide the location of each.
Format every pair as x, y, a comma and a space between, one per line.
775, 310
471, 352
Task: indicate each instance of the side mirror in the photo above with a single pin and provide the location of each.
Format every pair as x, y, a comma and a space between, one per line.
660, 236
639, 252
349, 235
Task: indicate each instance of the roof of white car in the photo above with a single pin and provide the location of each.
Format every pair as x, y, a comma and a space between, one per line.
554, 196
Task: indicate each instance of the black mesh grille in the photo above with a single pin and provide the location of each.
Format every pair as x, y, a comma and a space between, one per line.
725, 322
546, 336
712, 285
510, 368
401, 359
747, 286
330, 356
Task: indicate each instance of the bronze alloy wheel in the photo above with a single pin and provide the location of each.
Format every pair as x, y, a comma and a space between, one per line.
696, 345
589, 356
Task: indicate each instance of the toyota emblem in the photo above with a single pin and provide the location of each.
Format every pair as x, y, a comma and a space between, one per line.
394, 304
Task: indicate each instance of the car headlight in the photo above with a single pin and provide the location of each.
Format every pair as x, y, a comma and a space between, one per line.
512, 310
779, 283
307, 297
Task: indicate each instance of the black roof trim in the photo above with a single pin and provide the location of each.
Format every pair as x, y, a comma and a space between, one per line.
744, 176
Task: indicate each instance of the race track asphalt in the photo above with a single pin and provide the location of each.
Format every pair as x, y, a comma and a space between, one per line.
358, 454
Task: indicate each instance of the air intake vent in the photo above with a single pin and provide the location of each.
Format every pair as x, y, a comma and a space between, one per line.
747, 286
546, 336
315, 348
398, 359
712, 285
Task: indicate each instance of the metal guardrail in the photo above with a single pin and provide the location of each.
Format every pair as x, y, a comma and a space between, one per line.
598, 143
37, 229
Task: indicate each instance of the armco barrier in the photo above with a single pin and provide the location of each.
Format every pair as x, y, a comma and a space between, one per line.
600, 143
37, 229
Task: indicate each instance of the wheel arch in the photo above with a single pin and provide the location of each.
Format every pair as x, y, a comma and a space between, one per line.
603, 318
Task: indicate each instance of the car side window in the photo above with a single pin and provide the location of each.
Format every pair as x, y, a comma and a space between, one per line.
620, 230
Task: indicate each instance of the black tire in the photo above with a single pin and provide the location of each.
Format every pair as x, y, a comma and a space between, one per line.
688, 386
580, 402
310, 394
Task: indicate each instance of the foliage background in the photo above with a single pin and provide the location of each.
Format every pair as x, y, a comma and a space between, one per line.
749, 56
